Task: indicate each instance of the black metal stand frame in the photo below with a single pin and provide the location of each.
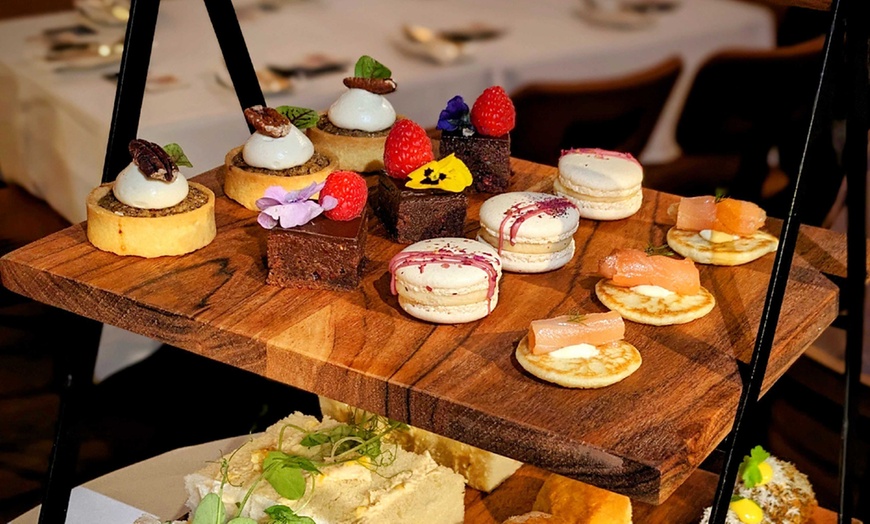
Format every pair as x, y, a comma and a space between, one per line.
125, 123
855, 162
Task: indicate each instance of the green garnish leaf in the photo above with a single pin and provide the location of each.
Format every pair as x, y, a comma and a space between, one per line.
662, 250
749, 471
210, 510
735, 498
301, 117
287, 481
284, 473
177, 155
720, 194
577, 318
242, 520
368, 67
280, 514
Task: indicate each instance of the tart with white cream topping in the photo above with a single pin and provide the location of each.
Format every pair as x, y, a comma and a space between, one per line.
151, 210
278, 153
356, 125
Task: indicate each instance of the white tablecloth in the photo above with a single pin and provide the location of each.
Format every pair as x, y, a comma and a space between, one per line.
54, 125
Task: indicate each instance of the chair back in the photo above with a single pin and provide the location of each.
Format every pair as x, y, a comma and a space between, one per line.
617, 114
748, 99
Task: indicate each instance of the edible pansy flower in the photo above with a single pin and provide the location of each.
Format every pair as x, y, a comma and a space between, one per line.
291, 208
447, 174
455, 116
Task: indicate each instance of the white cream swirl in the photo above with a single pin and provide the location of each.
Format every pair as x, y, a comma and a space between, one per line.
360, 109
133, 188
284, 152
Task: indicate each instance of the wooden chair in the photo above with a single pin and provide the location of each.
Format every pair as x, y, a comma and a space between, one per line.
618, 113
742, 105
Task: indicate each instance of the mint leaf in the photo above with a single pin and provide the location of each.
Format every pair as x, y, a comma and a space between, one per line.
177, 155
368, 67
283, 515
301, 117
211, 510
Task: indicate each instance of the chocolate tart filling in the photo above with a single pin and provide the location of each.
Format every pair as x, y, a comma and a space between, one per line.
316, 163
194, 200
328, 127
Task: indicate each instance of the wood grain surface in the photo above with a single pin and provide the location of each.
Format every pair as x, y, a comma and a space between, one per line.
685, 506
642, 437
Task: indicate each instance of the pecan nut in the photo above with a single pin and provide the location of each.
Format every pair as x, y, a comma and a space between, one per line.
152, 160
378, 86
267, 121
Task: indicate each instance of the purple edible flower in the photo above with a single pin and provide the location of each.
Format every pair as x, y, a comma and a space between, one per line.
455, 116
291, 208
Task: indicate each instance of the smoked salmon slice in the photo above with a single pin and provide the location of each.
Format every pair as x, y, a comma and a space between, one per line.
567, 330
633, 267
739, 217
736, 217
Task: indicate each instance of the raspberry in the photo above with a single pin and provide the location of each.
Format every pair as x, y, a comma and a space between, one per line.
351, 191
493, 113
407, 148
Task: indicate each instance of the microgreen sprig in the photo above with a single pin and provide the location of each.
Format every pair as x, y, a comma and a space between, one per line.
662, 250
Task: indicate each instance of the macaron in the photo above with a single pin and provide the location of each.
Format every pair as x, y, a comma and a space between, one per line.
605, 185
446, 280
532, 232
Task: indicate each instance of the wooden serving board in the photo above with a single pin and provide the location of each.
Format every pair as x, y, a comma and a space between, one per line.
642, 437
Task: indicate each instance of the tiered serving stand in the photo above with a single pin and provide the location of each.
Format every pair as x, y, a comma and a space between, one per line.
644, 437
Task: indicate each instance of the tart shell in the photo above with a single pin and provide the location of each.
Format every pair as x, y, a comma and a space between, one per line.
150, 237
245, 187
354, 153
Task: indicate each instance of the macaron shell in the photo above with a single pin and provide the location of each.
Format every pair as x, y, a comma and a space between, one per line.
449, 314
606, 172
453, 276
604, 185
448, 293
538, 229
536, 263
604, 209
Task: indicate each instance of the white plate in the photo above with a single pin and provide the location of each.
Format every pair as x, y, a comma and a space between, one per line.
438, 51
93, 55
616, 18
270, 83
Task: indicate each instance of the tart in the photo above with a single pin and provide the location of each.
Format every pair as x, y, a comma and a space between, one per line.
150, 210
278, 153
355, 127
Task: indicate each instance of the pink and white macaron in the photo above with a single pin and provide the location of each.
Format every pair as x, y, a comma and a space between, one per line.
532, 232
604, 185
447, 280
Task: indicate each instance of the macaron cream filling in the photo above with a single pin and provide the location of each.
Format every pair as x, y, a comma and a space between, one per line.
360, 109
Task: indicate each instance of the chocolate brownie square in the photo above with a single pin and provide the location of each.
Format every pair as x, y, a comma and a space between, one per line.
410, 215
488, 158
322, 254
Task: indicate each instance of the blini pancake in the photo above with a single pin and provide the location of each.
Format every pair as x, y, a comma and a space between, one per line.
656, 311
614, 361
690, 244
